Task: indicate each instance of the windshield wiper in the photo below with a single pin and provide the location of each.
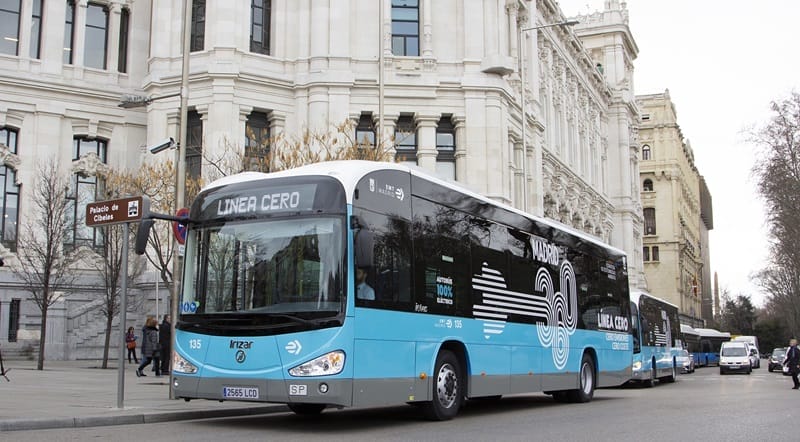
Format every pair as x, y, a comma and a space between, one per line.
293, 318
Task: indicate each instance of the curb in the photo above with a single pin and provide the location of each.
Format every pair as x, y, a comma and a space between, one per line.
130, 419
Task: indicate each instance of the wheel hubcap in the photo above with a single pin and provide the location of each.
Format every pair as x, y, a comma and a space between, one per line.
587, 378
447, 386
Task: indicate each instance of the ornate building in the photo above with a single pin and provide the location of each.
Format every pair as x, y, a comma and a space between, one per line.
677, 211
440, 78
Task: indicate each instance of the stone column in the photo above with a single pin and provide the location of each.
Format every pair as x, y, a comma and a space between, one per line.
24, 42
79, 39
426, 142
112, 49
461, 147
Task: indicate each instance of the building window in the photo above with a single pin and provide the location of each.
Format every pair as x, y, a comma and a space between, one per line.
647, 186
645, 254
260, 26
124, 20
655, 253
84, 190
365, 130
9, 26
649, 221
646, 152
36, 28
96, 36
198, 25
194, 141
256, 144
69, 31
13, 320
446, 148
405, 139
9, 212
405, 27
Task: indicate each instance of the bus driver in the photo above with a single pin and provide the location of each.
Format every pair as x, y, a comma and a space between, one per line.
363, 290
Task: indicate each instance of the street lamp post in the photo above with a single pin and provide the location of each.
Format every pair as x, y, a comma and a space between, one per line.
131, 101
523, 111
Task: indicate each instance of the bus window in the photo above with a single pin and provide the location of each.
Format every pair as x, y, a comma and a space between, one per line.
390, 273
637, 344
442, 258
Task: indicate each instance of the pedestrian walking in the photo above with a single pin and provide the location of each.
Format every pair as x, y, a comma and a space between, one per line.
130, 343
150, 348
793, 362
165, 340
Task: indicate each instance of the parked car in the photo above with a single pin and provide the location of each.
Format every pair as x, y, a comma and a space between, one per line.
735, 356
755, 361
776, 359
685, 361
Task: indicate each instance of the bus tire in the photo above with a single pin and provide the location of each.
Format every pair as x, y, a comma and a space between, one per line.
307, 409
447, 387
650, 383
587, 379
672, 376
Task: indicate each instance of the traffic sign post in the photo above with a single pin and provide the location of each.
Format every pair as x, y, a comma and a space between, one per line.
105, 213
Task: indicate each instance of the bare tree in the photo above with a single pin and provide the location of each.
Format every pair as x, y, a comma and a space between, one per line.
44, 263
284, 151
777, 172
157, 182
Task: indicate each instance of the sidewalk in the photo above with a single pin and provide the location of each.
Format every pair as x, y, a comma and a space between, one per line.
69, 394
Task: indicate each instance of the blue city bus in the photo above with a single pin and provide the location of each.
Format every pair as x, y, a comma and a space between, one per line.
691, 341
709, 343
656, 339
356, 283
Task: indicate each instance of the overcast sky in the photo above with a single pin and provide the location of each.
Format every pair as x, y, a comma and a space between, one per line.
723, 62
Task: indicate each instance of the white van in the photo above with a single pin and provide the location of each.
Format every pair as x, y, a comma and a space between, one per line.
735, 356
753, 342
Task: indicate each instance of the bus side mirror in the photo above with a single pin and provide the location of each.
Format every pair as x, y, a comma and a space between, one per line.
364, 246
142, 234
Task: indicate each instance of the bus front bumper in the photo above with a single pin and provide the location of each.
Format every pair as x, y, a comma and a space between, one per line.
337, 392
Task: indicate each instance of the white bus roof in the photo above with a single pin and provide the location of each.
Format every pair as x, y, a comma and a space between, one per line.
688, 329
636, 294
350, 172
711, 333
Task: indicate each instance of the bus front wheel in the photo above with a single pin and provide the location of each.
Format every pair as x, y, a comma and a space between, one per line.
447, 388
586, 382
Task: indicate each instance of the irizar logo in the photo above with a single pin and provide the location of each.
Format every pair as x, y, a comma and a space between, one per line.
556, 311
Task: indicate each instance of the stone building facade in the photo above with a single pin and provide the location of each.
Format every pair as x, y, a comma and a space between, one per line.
441, 78
677, 213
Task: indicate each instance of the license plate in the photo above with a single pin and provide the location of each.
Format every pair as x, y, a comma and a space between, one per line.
240, 392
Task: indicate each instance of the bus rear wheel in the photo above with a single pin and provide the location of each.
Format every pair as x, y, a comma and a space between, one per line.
307, 409
447, 388
586, 382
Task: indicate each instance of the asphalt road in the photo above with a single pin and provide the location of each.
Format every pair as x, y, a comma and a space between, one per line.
699, 406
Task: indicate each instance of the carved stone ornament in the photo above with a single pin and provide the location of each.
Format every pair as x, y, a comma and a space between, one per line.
9, 158
90, 165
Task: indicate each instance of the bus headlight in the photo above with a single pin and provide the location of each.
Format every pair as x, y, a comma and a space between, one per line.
637, 365
325, 365
180, 365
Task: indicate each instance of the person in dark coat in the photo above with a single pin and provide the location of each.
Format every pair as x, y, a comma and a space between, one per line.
165, 340
150, 348
793, 362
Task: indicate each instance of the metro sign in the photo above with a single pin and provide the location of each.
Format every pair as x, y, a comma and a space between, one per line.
124, 210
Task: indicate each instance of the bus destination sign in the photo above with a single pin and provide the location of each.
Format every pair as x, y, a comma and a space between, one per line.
121, 210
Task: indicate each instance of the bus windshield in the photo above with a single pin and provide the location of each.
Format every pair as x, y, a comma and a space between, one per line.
290, 268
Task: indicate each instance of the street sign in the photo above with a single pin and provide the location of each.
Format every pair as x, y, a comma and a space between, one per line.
180, 229
123, 210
